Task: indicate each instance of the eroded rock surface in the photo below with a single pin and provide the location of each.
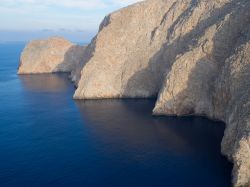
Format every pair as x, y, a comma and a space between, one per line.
123, 62
193, 54
51, 55
232, 92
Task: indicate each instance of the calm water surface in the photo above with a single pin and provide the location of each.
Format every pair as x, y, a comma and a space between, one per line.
48, 139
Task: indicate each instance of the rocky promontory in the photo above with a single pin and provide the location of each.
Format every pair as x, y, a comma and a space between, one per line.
54, 54
193, 55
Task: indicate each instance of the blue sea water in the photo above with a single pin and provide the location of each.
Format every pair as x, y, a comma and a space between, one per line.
48, 139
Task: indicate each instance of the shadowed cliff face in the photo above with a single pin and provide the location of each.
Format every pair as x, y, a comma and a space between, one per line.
44, 82
73, 59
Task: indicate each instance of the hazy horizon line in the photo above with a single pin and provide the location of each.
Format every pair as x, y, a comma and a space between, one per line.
72, 35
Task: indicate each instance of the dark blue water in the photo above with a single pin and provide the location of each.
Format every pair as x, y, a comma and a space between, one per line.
47, 139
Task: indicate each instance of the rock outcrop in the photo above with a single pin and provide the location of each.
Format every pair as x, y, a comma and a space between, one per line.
50, 55
194, 55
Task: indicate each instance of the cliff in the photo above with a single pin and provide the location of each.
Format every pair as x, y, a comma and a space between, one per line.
194, 55
51, 55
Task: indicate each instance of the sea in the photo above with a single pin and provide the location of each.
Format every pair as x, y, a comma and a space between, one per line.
49, 139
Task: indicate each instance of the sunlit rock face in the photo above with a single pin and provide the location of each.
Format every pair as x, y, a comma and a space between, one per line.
50, 55
124, 60
193, 54
137, 46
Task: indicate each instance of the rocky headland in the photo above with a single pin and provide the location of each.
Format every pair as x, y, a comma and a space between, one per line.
54, 54
193, 55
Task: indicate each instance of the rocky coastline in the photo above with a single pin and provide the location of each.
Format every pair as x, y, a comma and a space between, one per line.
193, 55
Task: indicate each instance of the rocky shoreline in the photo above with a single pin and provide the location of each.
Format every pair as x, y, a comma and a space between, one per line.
193, 54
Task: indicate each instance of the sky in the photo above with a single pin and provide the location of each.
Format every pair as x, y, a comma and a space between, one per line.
75, 19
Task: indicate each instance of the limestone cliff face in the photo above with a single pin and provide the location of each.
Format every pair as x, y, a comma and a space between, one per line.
125, 52
50, 55
193, 54
232, 92
137, 45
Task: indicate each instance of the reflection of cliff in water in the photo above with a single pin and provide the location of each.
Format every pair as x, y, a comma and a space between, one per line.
45, 82
129, 123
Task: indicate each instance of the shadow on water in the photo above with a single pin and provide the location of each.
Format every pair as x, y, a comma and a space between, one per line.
187, 147
45, 82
